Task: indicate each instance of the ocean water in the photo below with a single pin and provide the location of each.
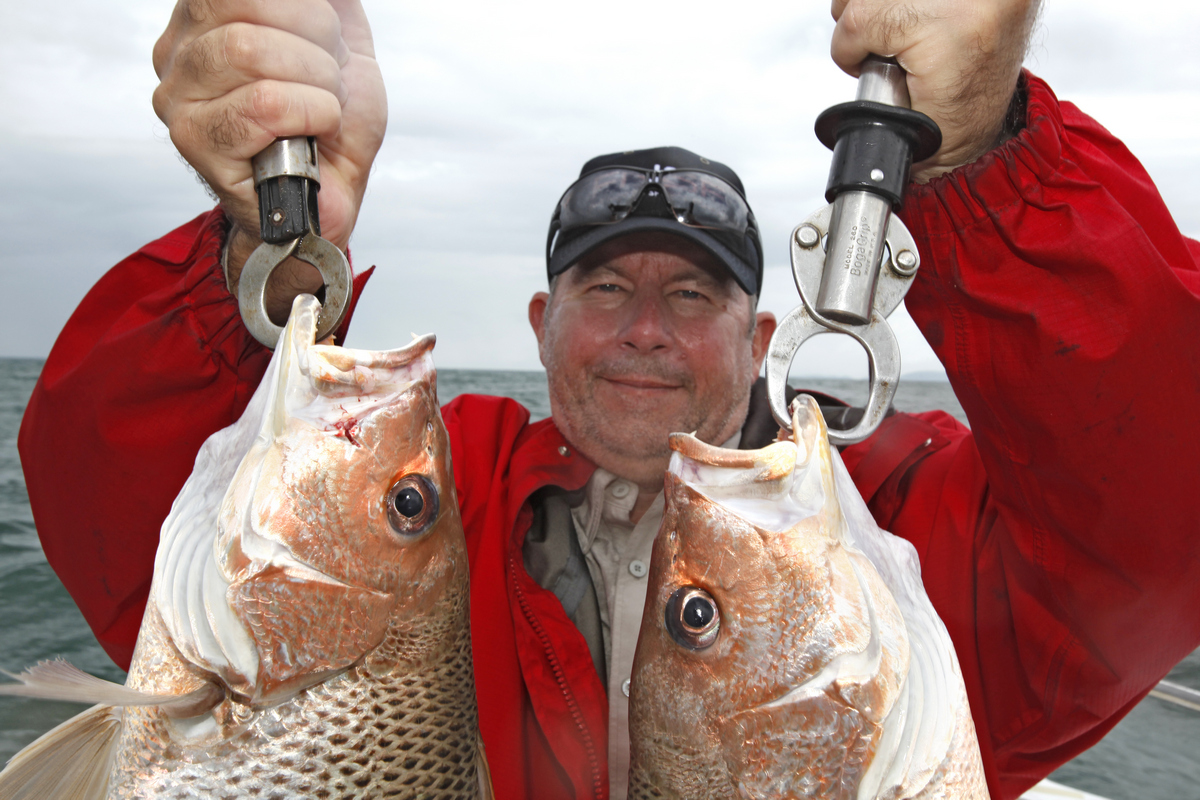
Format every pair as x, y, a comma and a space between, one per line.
1153, 754
530, 389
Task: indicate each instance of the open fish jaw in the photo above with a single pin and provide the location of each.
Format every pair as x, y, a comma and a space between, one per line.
822, 680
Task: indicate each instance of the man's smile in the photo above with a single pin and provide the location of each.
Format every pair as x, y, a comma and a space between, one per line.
641, 383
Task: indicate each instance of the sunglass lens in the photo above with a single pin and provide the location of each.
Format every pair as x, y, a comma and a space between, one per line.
705, 201
605, 196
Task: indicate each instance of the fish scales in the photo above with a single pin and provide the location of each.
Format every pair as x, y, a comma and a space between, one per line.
307, 633
788, 649
370, 732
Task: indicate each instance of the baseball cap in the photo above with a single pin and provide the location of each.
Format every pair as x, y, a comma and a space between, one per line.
662, 188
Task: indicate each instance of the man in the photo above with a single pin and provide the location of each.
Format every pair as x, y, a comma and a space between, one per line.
1055, 288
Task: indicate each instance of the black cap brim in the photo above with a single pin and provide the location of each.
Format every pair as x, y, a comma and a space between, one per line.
567, 253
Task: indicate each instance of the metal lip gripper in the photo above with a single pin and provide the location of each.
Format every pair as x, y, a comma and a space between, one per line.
287, 179
853, 261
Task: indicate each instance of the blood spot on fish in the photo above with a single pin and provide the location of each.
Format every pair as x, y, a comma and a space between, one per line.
347, 427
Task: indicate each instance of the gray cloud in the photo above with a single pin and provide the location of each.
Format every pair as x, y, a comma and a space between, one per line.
493, 108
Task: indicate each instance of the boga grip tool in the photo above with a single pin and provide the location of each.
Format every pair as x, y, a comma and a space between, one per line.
287, 179
853, 261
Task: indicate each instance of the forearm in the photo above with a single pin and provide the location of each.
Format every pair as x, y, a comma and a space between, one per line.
154, 360
1061, 298
1065, 305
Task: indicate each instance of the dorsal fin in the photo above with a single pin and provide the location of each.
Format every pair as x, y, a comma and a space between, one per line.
69, 762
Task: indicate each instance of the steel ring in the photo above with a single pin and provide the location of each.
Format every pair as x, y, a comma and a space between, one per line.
329, 261
883, 363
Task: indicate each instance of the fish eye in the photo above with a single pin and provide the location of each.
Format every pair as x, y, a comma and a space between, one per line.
693, 618
412, 505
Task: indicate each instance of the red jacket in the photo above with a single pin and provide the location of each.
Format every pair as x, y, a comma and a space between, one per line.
1058, 538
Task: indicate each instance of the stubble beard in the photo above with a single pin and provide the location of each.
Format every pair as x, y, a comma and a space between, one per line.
637, 433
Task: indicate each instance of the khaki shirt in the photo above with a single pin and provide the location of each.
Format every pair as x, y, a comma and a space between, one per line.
617, 554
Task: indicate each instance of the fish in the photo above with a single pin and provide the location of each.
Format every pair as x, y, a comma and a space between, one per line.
307, 631
788, 648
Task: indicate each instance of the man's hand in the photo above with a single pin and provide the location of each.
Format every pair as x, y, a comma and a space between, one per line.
237, 75
963, 58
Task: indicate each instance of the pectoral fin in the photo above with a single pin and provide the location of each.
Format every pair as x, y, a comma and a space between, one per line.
481, 770
69, 762
59, 680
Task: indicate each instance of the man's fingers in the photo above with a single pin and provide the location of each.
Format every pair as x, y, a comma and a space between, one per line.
963, 58
243, 122
238, 54
238, 74
220, 137
356, 30
866, 26
314, 20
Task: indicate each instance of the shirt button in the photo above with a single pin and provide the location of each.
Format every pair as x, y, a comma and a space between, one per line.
563, 450
625, 687
619, 490
638, 569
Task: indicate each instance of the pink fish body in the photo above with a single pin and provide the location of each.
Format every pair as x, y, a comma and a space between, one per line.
309, 606
788, 649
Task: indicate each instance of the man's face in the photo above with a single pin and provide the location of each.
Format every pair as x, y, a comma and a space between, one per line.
646, 336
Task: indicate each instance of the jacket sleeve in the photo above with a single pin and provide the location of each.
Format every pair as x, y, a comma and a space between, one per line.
1059, 537
153, 361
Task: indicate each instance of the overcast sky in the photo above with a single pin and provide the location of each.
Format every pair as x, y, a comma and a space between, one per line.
493, 108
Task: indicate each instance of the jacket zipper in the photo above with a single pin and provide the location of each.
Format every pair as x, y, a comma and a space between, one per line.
556, 667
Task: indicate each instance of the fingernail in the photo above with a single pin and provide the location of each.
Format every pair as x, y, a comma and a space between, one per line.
343, 53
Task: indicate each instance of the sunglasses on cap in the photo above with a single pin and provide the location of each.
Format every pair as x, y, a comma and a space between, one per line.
696, 198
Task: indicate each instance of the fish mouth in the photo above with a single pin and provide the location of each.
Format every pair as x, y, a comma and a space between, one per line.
768, 464
210, 550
